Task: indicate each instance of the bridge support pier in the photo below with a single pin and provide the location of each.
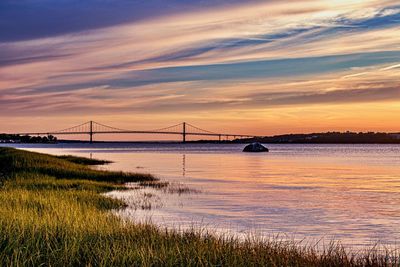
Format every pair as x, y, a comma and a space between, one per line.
184, 133
91, 132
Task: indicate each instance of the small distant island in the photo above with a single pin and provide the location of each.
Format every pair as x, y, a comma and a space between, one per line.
329, 138
319, 138
16, 138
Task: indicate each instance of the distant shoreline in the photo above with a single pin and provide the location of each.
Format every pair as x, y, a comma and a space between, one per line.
310, 138
202, 142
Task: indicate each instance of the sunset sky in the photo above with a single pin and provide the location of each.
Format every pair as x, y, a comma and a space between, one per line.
259, 67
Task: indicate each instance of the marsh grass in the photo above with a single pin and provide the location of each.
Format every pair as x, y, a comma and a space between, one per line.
84, 161
16, 162
52, 214
170, 188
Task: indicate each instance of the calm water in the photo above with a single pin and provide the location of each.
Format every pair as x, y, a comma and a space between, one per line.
346, 192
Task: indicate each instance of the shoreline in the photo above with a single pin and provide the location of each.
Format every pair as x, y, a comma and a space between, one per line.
58, 206
198, 142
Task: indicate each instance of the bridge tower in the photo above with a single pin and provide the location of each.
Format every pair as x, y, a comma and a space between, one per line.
91, 131
184, 132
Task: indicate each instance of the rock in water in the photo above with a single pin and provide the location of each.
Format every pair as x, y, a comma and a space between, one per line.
255, 147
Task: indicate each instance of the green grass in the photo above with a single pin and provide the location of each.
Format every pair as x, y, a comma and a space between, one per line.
52, 214
84, 161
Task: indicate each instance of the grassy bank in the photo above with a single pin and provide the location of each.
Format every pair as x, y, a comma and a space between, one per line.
52, 213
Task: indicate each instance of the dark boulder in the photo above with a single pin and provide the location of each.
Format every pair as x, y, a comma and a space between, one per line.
255, 147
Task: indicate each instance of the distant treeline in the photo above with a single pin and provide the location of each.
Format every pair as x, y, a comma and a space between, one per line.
15, 138
331, 138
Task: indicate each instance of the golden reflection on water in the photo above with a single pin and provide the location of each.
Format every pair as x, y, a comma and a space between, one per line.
350, 193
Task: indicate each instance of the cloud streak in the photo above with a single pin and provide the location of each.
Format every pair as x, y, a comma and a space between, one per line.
192, 56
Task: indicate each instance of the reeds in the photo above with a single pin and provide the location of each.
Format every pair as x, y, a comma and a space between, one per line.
84, 161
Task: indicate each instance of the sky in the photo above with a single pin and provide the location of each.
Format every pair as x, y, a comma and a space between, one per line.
250, 67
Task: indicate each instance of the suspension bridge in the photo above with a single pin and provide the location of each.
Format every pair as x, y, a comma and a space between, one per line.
183, 129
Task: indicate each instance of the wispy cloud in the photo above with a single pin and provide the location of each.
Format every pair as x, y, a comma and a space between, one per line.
195, 57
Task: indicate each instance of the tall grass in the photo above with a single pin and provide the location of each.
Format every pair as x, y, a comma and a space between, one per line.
14, 162
51, 214
84, 161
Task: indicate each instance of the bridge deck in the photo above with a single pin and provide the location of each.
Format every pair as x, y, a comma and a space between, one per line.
94, 128
135, 132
